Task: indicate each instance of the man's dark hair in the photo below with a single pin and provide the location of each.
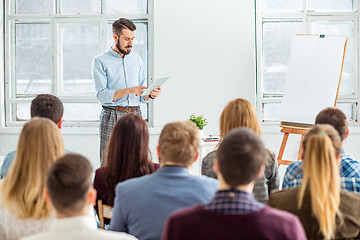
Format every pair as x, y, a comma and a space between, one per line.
121, 24
47, 106
334, 117
241, 155
68, 182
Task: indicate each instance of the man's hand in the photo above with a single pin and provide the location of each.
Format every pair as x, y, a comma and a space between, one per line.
138, 90
156, 92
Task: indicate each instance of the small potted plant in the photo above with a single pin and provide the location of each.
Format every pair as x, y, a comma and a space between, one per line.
200, 122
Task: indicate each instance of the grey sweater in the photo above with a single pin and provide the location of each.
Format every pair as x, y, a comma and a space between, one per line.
263, 186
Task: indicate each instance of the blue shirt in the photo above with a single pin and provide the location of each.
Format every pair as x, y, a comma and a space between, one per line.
349, 174
112, 73
233, 202
6, 164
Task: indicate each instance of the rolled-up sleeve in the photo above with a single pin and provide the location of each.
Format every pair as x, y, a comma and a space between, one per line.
103, 93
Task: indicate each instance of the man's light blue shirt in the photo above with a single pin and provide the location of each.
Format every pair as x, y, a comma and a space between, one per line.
112, 73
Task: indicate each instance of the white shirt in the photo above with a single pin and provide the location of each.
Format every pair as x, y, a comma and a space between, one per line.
77, 228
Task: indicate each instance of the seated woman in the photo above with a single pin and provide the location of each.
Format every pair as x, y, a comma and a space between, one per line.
23, 209
128, 156
325, 211
241, 113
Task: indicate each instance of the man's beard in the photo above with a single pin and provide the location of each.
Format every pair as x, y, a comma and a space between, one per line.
121, 50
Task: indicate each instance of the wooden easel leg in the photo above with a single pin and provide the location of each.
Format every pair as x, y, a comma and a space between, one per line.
302, 138
282, 148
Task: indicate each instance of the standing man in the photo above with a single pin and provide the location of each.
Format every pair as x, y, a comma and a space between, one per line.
119, 80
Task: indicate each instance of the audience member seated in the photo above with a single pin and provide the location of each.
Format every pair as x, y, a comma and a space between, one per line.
241, 113
142, 205
70, 192
128, 156
46, 106
23, 209
326, 211
349, 167
234, 213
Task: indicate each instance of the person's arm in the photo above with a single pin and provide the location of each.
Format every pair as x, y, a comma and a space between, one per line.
118, 222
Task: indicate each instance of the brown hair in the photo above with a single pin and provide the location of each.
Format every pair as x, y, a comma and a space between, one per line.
47, 106
179, 142
121, 24
238, 113
334, 117
241, 155
69, 181
322, 146
40, 144
128, 154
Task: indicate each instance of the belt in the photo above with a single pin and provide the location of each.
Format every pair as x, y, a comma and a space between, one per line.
123, 109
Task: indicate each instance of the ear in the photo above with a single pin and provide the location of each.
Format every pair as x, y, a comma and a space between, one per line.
47, 196
338, 159
158, 152
347, 134
196, 156
261, 172
92, 197
216, 167
59, 124
115, 37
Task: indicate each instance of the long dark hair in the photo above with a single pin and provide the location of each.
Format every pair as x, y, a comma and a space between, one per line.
128, 154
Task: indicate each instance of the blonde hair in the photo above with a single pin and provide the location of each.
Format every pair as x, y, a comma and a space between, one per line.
322, 146
179, 142
238, 113
21, 191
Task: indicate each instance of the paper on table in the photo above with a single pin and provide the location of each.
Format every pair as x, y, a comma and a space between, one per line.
158, 82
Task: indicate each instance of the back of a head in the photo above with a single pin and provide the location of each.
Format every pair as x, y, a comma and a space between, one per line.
40, 144
128, 154
47, 106
68, 182
241, 155
322, 146
239, 113
179, 143
121, 24
334, 117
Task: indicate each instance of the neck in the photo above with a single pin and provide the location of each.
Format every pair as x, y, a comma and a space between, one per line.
169, 163
224, 186
117, 50
84, 212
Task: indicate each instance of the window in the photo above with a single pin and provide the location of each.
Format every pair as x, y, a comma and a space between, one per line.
277, 22
49, 47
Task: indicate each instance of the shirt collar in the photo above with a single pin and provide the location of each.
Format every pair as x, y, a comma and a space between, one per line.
60, 224
114, 53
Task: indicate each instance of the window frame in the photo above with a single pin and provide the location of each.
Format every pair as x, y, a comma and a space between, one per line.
305, 17
56, 20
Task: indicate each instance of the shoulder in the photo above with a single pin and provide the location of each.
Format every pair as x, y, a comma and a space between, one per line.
282, 198
99, 176
350, 167
134, 184
105, 234
185, 213
350, 199
205, 180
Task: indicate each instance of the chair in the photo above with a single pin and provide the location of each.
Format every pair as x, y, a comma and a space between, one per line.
105, 211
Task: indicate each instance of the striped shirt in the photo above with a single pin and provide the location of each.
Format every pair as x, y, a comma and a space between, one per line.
349, 174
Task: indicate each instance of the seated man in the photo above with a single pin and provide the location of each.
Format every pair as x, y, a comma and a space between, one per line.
70, 191
44, 105
349, 167
234, 213
142, 205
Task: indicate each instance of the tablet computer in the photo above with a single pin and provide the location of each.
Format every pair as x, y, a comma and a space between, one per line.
158, 82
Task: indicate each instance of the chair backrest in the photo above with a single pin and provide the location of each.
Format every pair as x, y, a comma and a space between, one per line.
105, 211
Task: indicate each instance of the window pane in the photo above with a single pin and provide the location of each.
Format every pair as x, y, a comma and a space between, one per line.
332, 5
282, 5
33, 6
23, 111
140, 41
82, 111
277, 39
349, 109
80, 6
80, 44
341, 29
271, 112
126, 6
33, 58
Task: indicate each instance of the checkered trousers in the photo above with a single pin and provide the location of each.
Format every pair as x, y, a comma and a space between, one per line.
108, 118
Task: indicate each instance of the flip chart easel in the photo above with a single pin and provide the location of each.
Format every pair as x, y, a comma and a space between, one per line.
312, 84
